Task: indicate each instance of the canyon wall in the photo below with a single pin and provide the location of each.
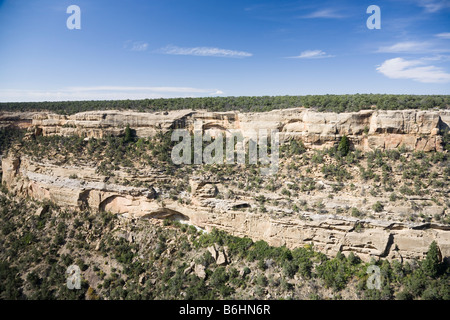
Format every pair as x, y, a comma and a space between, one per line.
367, 129
82, 187
20, 120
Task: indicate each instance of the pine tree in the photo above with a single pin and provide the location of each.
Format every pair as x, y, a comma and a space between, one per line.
344, 146
128, 135
431, 264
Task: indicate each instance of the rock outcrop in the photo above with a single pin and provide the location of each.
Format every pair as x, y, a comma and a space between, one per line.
329, 233
81, 187
21, 120
367, 129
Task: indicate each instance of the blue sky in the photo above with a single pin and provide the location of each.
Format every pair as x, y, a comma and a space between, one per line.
190, 48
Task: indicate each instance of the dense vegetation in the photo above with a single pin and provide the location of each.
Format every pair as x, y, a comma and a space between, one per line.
36, 250
334, 103
9, 136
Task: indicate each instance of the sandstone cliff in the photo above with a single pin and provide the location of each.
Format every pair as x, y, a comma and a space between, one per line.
367, 129
20, 120
82, 187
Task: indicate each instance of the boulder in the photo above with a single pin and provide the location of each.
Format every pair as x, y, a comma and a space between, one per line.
41, 210
189, 269
199, 271
213, 251
219, 255
221, 258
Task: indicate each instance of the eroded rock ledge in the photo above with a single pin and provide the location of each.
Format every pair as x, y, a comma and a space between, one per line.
367, 129
329, 233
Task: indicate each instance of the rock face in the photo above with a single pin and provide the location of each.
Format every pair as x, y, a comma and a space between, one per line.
329, 233
81, 187
21, 120
99, 124
367, 129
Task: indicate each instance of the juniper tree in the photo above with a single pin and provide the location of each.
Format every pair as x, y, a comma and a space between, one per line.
128, 134
431, 264
344, 146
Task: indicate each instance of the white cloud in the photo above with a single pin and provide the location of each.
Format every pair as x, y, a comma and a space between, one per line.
103, 93
443, 35
432, 6
406, 47
324, 13
205, 52
417, 70
139, 46
415, 47
135, 45
312, 54
139, 89
439, 57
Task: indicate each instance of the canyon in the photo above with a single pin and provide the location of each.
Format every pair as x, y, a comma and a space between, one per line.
80, 186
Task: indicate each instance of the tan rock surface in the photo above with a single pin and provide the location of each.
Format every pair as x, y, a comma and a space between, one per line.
386, 129
367, 130
328, 233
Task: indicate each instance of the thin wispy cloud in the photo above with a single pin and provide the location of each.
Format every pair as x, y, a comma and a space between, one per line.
417, 70
443, 35
139, 46
414, 47
204, 52
433, 6
312, 54
406, 47
324, 13
104, 93
438, 57
150, 89
136, 45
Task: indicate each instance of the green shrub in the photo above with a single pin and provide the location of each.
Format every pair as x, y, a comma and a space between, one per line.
378, 207
335, 272
262, 280
296, 147
355, 212
289, 269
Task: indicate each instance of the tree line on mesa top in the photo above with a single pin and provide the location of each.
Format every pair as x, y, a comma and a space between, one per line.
322, 103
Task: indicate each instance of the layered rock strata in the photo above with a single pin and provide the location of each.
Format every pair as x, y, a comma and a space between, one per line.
81, 187
367, 129
20, 120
